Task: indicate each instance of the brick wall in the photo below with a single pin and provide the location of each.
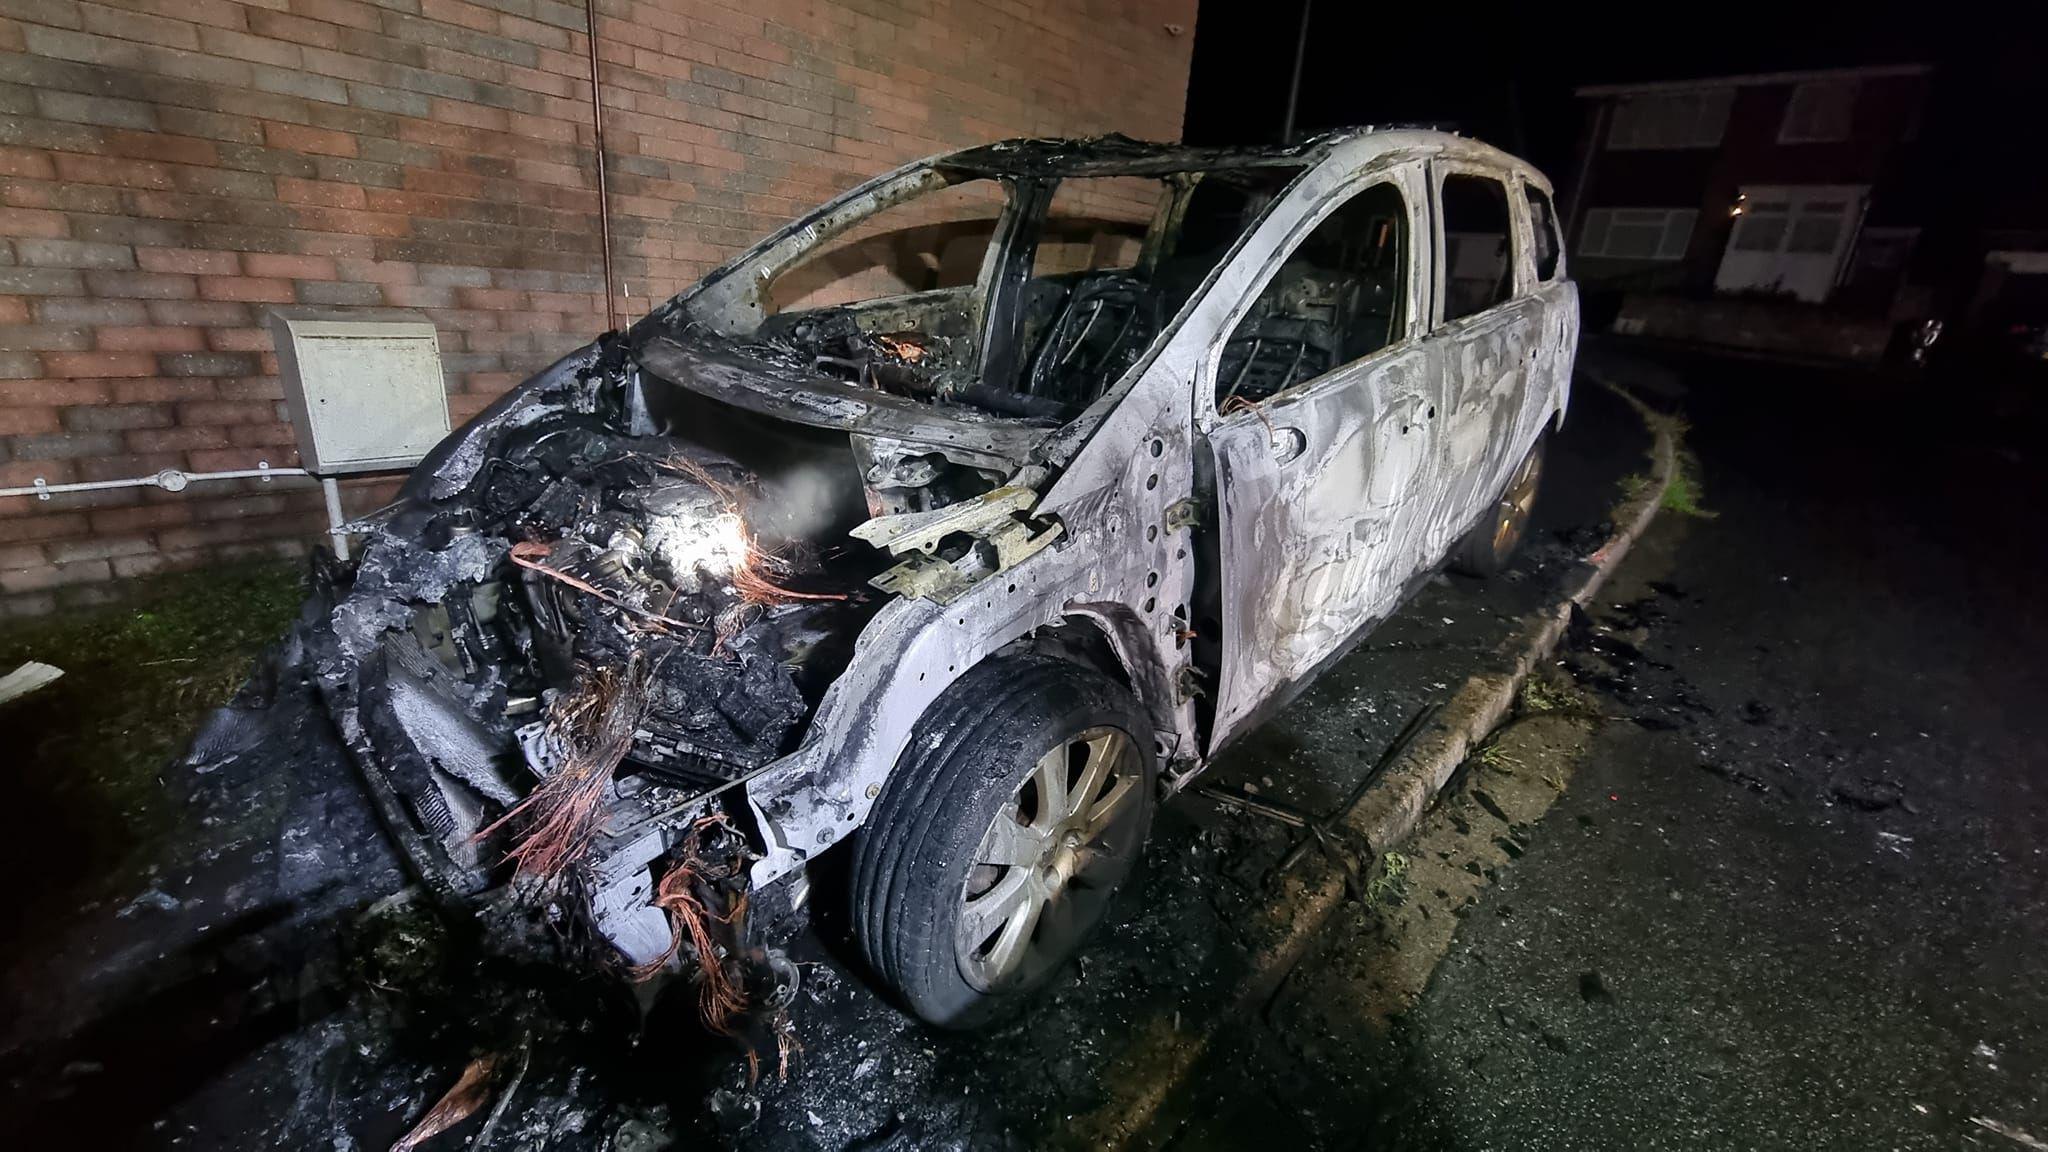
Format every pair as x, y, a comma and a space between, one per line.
171, 168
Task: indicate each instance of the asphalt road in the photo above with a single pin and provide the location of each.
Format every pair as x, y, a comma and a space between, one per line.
1795, 894
249, 1003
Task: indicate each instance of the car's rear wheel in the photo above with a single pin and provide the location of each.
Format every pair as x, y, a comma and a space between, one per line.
1491, 543
1017, 810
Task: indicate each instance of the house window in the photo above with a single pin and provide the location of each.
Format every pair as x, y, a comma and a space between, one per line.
1762, 227
1637, 233
1820, 227
1693, 119
1882, 255
1820, 112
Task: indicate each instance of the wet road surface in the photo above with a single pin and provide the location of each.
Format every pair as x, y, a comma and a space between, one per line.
1795, 895
248, 1001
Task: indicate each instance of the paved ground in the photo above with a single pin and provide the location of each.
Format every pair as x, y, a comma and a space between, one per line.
1795, 894
1769, 880
240, 997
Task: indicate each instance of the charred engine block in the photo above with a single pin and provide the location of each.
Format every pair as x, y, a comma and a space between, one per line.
576, 547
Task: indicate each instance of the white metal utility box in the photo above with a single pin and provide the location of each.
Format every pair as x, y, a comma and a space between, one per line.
365, 393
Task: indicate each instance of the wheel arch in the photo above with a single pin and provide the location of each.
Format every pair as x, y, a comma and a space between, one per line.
1111, 638
822, 792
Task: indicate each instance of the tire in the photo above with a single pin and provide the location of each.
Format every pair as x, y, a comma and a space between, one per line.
1491, 543
983, 752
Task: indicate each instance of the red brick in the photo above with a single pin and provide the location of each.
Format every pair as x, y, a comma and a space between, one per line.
349, 220
263, 435
22, 421
238, 339
77, 169
208, 413
44, 525
347, 13
140, 517
140, 26
174, 439
127, 465
99, 548
28, 162
304, 138
50, 393
163, 389
151, 340
140, 285
376, 271
55, 576
288, 267
478, 211
17, 556
466, 405
99, 364
36, 222
235, 459
161, 146
116, 417
208, 312
22, 473
293, 29
252, 388
325, 193
188, 260
246, 289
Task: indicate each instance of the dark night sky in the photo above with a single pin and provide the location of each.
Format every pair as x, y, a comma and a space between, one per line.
1506, 73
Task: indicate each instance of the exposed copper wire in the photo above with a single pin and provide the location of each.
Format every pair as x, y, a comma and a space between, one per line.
594, 725
720, 1000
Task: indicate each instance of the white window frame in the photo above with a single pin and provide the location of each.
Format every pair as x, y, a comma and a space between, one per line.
1674, 236
1794, 129
1669, 121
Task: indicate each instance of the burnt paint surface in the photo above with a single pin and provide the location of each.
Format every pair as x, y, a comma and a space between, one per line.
1387, 461
1313, 553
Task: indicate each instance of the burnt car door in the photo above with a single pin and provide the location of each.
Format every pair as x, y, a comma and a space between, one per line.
1487, 333
1319, 438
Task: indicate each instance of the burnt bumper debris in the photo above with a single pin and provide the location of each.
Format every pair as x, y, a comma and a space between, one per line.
565, 643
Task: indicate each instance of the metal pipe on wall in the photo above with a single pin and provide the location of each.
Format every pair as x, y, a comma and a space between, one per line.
604, 200
177, 480
170, 480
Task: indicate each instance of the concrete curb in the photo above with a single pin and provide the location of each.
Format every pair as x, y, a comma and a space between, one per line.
1397, 801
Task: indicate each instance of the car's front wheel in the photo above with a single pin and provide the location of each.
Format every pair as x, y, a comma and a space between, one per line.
1020, 805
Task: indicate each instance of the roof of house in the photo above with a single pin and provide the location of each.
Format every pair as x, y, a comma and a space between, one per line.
1864, 72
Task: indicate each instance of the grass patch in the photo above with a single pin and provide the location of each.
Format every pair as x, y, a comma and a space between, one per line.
138, 676
1499, 759
1539, 696
1386, 883
1682, 495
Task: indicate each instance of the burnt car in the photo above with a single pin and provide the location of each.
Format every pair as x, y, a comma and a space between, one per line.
964, 518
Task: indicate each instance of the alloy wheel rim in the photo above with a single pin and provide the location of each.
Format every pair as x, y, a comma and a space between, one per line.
1050, 859
1511, 516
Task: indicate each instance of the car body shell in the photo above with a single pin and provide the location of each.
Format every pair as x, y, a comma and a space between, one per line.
1214, 560
1428, 430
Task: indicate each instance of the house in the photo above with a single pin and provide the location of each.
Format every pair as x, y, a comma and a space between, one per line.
1793, 186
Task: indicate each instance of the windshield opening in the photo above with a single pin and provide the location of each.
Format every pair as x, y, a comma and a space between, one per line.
1023, 297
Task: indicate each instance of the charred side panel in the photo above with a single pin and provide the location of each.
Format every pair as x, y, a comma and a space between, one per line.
1324, 515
